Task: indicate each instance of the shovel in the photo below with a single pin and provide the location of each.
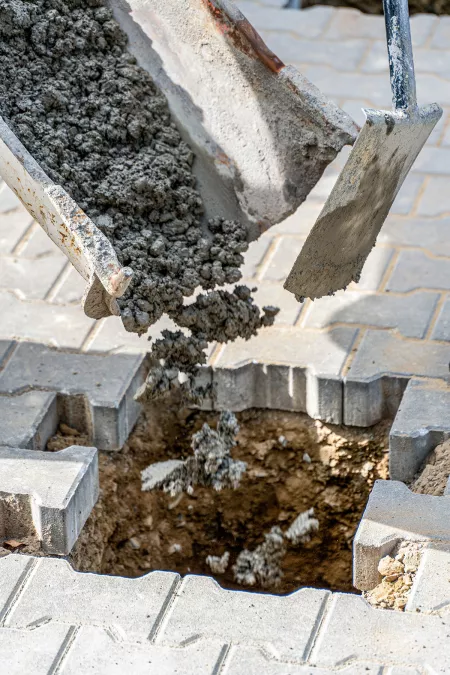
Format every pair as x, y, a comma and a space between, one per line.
389, 142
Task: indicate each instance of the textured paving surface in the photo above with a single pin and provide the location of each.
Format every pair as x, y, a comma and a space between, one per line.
394, 324
162, 624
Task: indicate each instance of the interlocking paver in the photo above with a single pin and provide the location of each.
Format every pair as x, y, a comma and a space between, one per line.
8, 200
108, 384
417, 269
28, 420
42, 322
355, 632
343, 56
374, 88
394, 514
26, 651
378, 375
411, 314
94, 651
431, 589
435, 199
433, 161
255, 254
441, 34
202, 609
374, 269
30, 278
421, 423
71, 288
255, 662
47, 496
270, 294
13, 226
431, 234
407, 196
348, 23
441, 330
38, 245
308, 23
110, 336
282, 258
55, 591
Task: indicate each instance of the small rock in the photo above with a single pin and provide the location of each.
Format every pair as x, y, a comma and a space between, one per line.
306, 458
282, 441
135, 543
389, 566
174, 548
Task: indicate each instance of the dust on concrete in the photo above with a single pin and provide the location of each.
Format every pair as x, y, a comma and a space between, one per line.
99, 127
293, 464
433, 476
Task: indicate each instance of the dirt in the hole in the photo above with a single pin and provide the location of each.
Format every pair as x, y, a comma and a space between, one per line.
294, 463
376, 6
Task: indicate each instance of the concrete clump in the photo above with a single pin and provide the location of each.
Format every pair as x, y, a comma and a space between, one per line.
398, 575
210, 466
99, 127
263, 565
218, 564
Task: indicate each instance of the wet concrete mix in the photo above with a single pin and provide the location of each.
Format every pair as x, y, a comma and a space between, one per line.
98, 126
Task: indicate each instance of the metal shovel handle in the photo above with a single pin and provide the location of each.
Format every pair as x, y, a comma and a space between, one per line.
401, 63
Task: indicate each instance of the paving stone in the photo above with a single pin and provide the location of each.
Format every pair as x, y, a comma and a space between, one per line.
8, 200
430, 234
272, 294
30, 278
28, 420
292, 370
380, 370
202, 609
300, 222
13, 226
110, 336
417, 269
433, 160
441, 35
95, 651
435, 199
282, 259
373, 88
6, 347
107, 382
411, 314
308, 23
394, 514
355, 632
431, 589
343, 56
425, 60
15, 571
256, 662
374, 269
407, 196
54, 591
421, 423
441, 330
47, 496
254, 256
71, 289
42, 322
31, 651
39, 245
422, 26
433, 89
347, 23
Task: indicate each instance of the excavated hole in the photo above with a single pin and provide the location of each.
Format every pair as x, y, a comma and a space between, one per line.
131, 532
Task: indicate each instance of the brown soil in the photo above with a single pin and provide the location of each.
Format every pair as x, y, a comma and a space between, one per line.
131, 532
376, 7
433, 476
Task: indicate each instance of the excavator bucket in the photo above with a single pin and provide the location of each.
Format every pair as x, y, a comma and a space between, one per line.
262, 134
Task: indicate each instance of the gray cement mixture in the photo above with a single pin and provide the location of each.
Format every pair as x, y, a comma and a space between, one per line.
98, 126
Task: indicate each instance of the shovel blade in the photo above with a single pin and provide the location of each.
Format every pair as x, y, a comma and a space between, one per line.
346, 230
